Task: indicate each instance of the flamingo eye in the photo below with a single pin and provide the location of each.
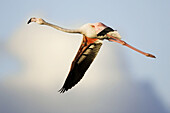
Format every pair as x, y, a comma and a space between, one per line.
93, 26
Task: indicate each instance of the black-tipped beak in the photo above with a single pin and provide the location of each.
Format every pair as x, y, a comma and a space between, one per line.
29, 21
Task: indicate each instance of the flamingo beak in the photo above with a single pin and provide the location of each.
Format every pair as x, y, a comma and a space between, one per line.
32, 20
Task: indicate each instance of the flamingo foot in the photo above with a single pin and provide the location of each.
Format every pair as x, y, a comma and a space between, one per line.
150, 55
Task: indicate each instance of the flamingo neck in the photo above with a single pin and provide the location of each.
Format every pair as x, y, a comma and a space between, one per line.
62, 29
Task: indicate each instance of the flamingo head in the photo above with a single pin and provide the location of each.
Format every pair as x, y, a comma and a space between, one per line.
37, 20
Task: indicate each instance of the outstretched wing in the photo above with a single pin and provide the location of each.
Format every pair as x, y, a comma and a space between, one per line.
85, 56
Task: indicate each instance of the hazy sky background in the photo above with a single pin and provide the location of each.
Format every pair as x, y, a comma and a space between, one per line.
36, 59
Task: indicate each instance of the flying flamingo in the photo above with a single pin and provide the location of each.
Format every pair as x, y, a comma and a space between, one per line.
93, 36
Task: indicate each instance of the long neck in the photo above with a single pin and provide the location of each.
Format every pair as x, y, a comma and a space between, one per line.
63, 29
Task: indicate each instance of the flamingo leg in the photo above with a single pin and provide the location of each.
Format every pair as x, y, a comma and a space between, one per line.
129, 46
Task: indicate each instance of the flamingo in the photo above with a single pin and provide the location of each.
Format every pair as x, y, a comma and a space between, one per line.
93, 36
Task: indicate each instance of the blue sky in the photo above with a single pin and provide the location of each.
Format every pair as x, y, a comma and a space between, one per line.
144, 24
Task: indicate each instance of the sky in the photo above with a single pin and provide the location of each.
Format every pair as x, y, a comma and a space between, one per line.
35, 59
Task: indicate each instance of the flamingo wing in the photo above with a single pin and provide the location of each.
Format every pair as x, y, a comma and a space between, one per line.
85, 56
